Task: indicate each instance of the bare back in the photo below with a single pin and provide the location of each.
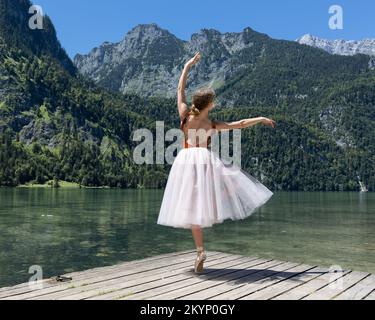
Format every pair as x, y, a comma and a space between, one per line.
200, 130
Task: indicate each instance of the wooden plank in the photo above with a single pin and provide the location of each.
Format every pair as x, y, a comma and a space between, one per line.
24, 293
219, 275
24, 287
301, 274
264, 288
229, 292
98, 270
82, 276
360, 290
226, 276
257, 284
213, 287
82, 280
311, 286
179, 280
338, 286
150, 294
370, 296
104, 269
112, 285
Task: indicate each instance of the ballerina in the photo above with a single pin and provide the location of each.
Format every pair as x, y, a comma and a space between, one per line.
201, 190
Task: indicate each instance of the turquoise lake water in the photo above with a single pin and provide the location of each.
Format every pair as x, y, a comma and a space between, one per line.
66, 230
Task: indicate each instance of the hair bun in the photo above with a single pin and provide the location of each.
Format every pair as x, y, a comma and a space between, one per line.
195, 109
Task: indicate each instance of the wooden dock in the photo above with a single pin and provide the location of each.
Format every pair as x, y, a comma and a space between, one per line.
226, 277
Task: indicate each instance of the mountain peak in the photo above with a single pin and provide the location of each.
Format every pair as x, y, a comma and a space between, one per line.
340, 46
306, 37
149, 58
209, 31
152, 25
248, 29
204, 34
147, 31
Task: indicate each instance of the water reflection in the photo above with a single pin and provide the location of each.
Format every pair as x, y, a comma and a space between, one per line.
65, 230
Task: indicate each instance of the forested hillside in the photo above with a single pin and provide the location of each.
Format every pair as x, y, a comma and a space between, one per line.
57, 125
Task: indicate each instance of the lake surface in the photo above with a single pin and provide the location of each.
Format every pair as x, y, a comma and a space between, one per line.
67, 230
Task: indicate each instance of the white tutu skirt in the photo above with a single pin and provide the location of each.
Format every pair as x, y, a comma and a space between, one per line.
202, 190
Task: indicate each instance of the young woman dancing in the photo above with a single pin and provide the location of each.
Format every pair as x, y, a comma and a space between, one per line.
201, 190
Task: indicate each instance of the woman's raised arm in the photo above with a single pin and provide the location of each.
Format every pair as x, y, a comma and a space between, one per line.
244, 123
181, 97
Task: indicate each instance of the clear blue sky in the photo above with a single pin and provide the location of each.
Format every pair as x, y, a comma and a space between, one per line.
84, 24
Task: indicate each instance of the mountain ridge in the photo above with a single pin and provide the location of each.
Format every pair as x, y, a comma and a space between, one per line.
118, 66
339, 46
250, 70
151, 68
55, 125
58, 125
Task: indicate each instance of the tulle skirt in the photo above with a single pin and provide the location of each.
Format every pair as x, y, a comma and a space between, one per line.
203, 190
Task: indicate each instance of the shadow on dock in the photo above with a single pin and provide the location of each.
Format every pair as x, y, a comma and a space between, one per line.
249, 275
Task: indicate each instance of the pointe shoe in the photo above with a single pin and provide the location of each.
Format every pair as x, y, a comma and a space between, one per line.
201, 257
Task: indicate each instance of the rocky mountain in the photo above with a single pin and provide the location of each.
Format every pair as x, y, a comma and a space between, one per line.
14, 26
148, 60
56, 125
246, 69
53, 124
341, 47
250, 71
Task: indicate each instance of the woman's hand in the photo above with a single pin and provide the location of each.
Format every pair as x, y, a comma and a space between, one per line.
193, 60
269, 122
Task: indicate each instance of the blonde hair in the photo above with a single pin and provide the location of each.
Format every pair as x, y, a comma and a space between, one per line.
201, 99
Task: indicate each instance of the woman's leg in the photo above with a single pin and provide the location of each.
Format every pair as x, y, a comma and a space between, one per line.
201, 255
198, 236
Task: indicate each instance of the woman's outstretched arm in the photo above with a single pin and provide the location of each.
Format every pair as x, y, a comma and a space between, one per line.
181, 97
244, 123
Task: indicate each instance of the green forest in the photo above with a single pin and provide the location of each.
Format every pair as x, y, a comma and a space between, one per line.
56, 125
